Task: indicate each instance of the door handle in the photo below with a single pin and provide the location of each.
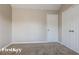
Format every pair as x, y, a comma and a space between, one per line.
71, 30
48, 29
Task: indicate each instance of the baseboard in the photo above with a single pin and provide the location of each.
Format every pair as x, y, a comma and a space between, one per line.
7, 45
69, 47
27, 42
30, 42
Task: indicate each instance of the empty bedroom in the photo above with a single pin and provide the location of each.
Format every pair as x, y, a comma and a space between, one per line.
39, 29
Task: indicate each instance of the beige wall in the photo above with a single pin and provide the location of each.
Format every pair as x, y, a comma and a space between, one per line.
60, 26
29, 25
5, 25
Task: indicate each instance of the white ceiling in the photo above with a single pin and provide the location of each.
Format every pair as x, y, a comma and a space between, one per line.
38, 6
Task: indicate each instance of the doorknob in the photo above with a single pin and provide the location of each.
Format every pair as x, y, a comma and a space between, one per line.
48, 30
71, 30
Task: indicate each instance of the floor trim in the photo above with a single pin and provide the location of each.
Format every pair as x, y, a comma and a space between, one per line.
7, 45
69, 47
30, 42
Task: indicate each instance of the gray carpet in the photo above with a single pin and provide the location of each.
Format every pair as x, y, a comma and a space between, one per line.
41, 49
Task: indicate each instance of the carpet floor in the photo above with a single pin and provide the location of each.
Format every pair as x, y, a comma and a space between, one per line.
40, 49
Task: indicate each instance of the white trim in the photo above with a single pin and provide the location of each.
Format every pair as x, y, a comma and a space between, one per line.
7, 45
31, 42
68, 47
